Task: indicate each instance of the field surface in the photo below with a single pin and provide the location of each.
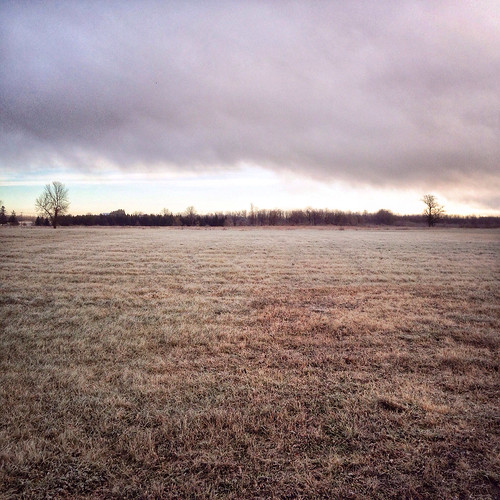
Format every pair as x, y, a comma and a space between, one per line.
261, 363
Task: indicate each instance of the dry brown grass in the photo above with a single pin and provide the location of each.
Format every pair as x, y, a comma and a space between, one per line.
167, 363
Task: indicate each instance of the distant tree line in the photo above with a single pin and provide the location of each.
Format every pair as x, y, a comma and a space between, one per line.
53, 203
265, 217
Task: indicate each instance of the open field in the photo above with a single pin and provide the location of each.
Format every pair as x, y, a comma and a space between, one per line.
162, 363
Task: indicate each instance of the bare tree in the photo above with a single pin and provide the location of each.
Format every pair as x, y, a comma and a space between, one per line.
433, 210
53, 202
190, 215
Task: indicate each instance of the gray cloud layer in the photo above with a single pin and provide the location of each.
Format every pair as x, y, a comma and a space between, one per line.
390, 93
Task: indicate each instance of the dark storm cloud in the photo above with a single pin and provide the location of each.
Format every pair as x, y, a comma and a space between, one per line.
391, 93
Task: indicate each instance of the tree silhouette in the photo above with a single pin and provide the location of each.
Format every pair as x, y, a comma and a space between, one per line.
53, 202
3, 217
13, 219
433, 210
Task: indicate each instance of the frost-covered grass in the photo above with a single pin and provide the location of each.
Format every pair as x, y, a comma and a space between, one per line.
298, 363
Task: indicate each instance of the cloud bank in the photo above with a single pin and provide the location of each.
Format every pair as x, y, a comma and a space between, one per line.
384, 93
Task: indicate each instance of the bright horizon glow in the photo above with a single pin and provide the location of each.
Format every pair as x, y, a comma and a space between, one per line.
227, 191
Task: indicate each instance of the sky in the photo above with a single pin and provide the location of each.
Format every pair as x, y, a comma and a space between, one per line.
145, 105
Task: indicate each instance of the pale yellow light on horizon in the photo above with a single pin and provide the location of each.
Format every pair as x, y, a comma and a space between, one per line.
224, 191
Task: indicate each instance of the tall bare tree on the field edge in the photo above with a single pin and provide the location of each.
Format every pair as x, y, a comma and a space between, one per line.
53, 202
433, 210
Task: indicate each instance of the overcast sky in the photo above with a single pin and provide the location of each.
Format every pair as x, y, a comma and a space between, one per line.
378, 95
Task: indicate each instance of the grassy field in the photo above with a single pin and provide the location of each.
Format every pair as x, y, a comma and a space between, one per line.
307, 363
